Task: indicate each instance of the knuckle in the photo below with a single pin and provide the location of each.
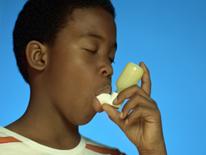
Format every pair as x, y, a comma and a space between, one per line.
154, 103
141, 108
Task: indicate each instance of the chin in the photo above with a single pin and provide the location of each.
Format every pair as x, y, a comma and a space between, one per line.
86, 119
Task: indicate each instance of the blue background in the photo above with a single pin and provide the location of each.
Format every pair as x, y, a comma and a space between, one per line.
169, 36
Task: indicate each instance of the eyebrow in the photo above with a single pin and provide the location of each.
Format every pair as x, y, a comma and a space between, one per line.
97, 36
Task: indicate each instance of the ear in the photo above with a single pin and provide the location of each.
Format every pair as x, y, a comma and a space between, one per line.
37, 55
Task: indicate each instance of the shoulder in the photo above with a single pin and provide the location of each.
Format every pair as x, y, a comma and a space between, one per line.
101, 148
10, 144
6, 138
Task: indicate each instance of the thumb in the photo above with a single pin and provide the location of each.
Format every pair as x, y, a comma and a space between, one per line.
113, 114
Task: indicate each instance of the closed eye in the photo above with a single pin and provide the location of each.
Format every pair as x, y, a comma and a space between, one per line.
89, 50
95, 51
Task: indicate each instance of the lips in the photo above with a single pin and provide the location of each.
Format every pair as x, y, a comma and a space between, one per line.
105, 89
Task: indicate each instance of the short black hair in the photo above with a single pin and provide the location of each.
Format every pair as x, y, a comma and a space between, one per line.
41, 20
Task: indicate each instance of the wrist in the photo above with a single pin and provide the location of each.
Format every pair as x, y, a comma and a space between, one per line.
153, 153
161, 150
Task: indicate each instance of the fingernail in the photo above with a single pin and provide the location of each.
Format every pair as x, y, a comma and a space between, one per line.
121, 115
103, 106
142, 63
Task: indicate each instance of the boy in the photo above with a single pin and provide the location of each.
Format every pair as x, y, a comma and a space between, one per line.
64, 50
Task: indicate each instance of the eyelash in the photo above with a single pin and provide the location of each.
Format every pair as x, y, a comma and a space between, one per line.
94, 51
91, 51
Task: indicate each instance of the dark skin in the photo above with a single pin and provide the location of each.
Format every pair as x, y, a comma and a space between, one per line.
65, 79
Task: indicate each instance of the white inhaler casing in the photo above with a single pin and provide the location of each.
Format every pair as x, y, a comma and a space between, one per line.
131, 74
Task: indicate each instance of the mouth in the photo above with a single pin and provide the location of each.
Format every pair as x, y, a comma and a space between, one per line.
106, 89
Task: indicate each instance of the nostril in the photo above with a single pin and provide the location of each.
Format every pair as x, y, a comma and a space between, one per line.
104, 72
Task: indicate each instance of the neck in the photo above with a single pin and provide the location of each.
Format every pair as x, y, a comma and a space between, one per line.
43, 123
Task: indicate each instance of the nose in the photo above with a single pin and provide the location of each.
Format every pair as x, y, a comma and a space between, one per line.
106, 70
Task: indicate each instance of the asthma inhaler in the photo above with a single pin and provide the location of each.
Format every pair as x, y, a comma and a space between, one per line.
130, 76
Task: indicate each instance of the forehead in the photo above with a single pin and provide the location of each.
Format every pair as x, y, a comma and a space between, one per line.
92, 21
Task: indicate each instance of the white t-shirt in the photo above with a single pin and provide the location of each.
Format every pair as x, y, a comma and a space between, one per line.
12, 143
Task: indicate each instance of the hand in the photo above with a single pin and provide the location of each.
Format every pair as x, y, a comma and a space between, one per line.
140, 118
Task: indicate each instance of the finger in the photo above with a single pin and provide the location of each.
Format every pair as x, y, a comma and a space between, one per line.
136, 101
129, 93
141, 92
143, 113
125, 94
113, 114
146, 81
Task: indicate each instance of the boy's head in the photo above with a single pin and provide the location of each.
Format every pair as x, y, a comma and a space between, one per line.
41, 20
64, 50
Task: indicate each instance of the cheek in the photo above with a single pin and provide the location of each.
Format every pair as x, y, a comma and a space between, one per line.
71, 84
71, 75
73, 93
